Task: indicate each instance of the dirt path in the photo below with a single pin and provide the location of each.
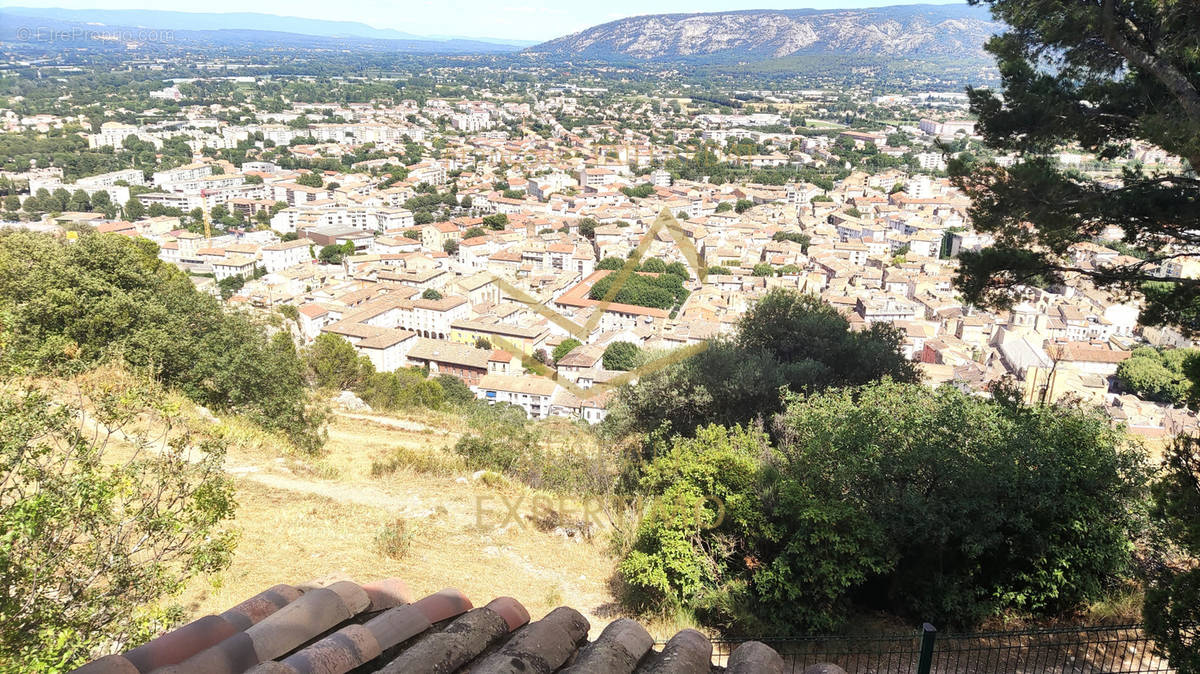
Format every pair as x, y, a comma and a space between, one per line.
300, 522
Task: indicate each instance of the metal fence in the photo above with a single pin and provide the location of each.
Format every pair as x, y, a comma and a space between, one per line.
1118, 649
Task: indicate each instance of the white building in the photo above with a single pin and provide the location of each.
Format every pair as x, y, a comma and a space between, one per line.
531, 394
285, 254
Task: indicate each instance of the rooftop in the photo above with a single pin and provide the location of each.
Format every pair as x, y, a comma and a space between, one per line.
342, 626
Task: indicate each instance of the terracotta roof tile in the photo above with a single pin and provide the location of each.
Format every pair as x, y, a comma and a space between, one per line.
343, 627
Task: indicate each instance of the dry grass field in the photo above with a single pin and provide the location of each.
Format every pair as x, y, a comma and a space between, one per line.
302, 519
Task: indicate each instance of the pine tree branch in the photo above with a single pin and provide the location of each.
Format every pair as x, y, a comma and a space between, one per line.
1170, 76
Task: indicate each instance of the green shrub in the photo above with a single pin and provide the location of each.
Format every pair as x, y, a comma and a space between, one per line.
75, 305
432, 462
934, 504
395, 539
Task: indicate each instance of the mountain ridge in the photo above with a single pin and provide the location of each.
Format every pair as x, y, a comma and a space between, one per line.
764, 34
210, 21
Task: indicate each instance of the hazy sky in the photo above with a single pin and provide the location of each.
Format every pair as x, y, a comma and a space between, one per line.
510, 19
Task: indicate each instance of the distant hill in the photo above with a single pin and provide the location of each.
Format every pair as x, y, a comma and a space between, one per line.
907, 31
197, 22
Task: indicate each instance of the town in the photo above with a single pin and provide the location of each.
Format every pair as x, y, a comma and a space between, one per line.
630, 337
458, 234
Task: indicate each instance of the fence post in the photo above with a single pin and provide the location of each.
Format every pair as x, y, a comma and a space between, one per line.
928, 635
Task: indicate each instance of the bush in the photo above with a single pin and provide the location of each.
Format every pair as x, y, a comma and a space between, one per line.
402, 389
432, 462
96, 539
73, 306
395, 539
933, 504
1172, 608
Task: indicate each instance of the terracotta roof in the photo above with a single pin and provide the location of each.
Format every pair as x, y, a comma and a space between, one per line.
377, 627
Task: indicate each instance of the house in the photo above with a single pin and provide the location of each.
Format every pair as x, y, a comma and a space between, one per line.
388, 350
280, 256
530, 393
441, 357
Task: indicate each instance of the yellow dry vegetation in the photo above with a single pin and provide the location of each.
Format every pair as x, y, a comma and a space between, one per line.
302, 520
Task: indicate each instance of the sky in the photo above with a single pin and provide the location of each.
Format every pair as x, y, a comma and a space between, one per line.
532, 20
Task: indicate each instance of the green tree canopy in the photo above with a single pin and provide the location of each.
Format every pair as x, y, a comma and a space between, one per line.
566, 346
1099, 76
621, 356
786, 340
97, 540
75, 305
333, 362
891, 495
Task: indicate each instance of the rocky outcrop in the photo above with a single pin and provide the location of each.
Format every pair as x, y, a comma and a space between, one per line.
901, 31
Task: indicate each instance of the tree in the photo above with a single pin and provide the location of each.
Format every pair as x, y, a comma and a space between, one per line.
661, 292
786, 339
86, 562
724, 207
483, 343
1172, 607
610, 263
496, 222
75, 305
134, 210
755, 535
473, 232
621, 356
717, 269
679, 269
566, 346
333, 363
1099, 76
310, 179
12, 203
587, 227
1160, 375
451, 247
763, 269
334, 253
743, 205
654, 266
230, 285
431, 294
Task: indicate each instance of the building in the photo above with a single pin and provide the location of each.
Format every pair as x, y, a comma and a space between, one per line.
442, 357
531, 394
280, 256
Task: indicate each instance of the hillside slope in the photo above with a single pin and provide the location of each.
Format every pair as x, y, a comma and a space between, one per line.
901, 31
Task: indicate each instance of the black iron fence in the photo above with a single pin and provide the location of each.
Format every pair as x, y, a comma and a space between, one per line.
1117, 649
